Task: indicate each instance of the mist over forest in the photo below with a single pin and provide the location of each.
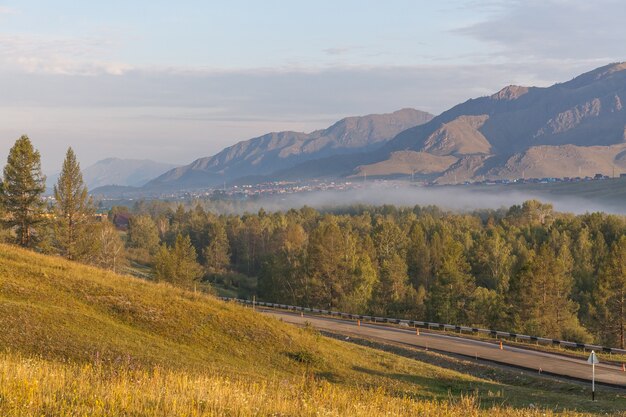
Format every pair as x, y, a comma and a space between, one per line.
451, 198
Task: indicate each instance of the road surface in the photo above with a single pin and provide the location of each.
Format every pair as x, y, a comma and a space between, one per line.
522, 358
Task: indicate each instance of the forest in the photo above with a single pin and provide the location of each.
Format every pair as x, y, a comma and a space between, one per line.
525, 268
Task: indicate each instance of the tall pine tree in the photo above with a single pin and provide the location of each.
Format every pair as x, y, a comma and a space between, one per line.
23, 186
610, 296
73, 207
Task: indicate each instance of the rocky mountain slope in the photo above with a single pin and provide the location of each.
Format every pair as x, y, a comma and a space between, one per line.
576, 128
277, 151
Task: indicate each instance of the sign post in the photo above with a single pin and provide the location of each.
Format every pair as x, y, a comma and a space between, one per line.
593, 359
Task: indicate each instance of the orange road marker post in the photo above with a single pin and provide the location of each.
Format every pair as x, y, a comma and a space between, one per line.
501, 345
624, 367
358, 323
417, 331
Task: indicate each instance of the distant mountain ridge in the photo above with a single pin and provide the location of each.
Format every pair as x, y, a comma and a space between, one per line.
277, 151
123, 172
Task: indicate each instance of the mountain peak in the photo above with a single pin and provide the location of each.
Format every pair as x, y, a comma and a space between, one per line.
510, 92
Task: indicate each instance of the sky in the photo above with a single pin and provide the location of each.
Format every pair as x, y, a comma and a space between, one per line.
176, 81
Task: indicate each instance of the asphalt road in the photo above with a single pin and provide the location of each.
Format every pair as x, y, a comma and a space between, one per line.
522, 358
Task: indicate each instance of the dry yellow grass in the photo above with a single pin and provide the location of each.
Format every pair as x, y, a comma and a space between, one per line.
35, 387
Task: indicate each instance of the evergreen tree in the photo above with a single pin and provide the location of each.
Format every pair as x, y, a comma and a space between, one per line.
418, 258
450, 293
74, 208
544, 292
392, 286
178, 264
216, 253
610, 296
22, 188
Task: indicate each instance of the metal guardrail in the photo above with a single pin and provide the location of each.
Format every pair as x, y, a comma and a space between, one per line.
431, 325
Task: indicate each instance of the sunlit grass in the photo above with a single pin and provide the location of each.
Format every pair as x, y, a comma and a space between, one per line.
34, 387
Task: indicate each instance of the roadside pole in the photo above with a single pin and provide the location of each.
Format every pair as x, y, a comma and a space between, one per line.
593, 359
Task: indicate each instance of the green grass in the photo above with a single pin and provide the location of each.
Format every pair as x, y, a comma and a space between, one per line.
106, 333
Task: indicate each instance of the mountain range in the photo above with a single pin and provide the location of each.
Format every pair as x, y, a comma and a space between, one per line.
570, 129
280, 151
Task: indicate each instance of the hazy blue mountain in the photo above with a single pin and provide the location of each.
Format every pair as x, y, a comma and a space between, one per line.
124, 172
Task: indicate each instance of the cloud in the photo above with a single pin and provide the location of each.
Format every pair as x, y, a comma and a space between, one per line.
7, 10
344, 50
176, 115
58, 55
268, 93
573, 30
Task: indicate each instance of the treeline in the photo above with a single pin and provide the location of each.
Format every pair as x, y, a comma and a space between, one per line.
526, 269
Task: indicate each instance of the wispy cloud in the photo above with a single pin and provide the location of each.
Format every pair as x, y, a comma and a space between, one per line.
574, 30
7, 10
58, 55
341, 50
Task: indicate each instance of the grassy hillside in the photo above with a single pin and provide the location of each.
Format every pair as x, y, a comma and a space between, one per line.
77, 340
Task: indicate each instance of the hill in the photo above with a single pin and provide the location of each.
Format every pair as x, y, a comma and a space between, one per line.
79, 340
278, 151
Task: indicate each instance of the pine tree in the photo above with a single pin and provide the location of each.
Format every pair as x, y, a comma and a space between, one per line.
74, 207
216, 253
544, 295
178, 264
392, 286
23, 186
450, 293
610, 296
